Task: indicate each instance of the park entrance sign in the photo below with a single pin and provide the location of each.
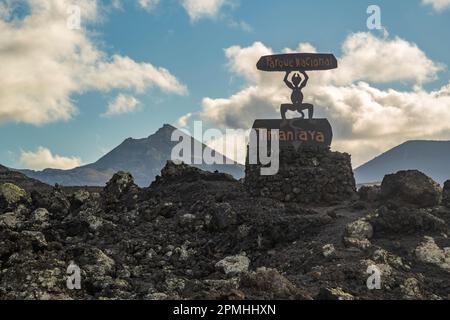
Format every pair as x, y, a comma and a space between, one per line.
297, 62
308, 172
298, 131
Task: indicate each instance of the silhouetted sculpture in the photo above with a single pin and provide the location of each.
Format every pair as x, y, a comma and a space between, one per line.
297, 96
298, 63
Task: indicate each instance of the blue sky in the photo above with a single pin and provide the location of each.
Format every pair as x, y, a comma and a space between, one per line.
193, 52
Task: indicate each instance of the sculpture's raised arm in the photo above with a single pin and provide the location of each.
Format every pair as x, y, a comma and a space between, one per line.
286, 80
305, 81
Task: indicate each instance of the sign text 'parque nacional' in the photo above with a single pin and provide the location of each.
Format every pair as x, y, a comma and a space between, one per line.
297, 62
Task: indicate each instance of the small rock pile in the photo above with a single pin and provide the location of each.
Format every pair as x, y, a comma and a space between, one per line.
411, 187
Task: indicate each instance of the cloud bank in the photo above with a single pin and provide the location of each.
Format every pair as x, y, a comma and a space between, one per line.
44, 63
43, 158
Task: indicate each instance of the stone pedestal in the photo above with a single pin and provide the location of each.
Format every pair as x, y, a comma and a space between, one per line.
446, 194
308, 174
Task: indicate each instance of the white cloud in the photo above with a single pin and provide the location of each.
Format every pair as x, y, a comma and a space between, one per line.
122, 104
183, 121
241, 109
124, 72
148, 4
43, 159
382, 60
44, 64
438, 5
197, 9
365, 120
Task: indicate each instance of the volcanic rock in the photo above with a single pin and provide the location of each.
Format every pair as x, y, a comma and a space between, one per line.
358, 233
120, 184
79, 197
120, 192
429, 252
407, 221
11, 195
181, 172
411, 187
268, 283
334, 294
8, 220
411, 289
369, 193
233, 265
55, 201
328, 250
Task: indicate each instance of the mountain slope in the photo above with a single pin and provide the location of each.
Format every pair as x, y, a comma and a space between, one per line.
21, 180
143, 158
430, 157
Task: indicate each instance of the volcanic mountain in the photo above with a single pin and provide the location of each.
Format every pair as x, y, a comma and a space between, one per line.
143, 158
430, 157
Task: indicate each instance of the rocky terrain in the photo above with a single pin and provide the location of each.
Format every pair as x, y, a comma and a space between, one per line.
200, 235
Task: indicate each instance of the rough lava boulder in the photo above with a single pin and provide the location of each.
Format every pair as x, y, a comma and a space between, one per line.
411, 187
11, 195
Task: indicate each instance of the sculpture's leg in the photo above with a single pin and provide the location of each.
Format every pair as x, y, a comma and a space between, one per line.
304, 106
284, 108
310, 108
302, 114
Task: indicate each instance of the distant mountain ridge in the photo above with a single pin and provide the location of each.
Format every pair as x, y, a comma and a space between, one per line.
430, 157
143, 158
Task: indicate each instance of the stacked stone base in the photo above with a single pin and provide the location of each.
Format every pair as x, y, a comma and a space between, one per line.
446, 194
306, 176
